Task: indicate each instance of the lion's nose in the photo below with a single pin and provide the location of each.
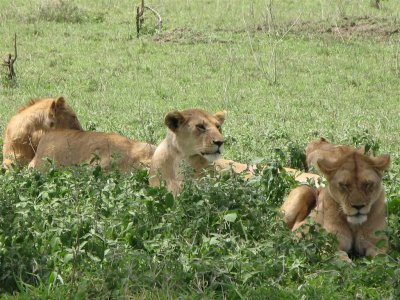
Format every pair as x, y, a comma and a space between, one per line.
218, 142
358, 206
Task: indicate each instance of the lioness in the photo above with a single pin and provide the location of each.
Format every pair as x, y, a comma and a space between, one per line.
352, 206
72, 147
194, 137
25, 129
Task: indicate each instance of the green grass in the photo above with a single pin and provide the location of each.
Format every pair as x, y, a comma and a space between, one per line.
315, 68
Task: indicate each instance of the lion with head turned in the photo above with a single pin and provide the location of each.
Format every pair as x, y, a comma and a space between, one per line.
25, 129
351, 206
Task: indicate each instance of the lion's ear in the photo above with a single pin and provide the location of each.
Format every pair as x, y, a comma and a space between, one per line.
381, 163
60, 102
220, 116
326, 166
53, 106
57, 104
174, 119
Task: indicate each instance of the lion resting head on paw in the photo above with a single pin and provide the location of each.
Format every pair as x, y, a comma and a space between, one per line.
352, 206
194, 136
24, 131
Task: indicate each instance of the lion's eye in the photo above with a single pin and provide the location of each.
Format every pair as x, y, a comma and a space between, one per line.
367, 185
219, 128
344, 186
201, 127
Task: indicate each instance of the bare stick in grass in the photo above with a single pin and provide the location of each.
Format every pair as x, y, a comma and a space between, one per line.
10, 60
140, 17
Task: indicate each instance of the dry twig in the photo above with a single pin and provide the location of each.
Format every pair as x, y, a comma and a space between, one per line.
10, 60
378, 4
140, 17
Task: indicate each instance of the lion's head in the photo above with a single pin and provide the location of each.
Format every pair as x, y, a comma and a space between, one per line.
197, 132
355, 182
62, 116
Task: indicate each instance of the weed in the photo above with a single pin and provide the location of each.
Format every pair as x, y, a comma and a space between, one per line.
65, 11
60, 11
366, 140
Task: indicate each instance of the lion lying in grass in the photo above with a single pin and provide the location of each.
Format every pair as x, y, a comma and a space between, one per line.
73, 147
24, 131
352, 206
195, 138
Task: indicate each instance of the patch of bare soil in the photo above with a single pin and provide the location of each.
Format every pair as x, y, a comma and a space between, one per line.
187, 36
364, 27
347, 27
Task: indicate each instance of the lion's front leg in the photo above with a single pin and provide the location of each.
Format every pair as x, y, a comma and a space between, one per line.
328, 214
371, 239
345, 241
372, 244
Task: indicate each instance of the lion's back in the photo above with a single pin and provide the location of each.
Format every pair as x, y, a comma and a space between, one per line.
73, 147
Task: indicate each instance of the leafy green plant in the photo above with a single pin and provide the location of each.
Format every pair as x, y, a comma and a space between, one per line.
366, 140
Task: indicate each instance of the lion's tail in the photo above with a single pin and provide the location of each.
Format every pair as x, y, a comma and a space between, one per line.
298, 205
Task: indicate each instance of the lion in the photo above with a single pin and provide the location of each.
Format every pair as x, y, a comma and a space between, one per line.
68, 147
321, 148
351, 206
25, 129
195, 138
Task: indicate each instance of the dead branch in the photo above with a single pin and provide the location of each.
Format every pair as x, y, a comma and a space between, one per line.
158, 16
140, 17
10, 60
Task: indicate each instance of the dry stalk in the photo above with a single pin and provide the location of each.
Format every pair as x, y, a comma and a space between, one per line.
10, 60
140, 17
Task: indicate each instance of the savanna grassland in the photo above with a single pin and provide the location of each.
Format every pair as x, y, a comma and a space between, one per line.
285, 71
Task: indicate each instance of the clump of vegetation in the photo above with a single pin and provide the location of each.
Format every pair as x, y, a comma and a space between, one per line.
66, 11
86, 232
60, 11
365, 139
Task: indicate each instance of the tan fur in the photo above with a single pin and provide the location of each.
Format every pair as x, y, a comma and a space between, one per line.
321, 147
303, 177
298, 205
25, 129
194, 137
73, 147
352, 206
248, 170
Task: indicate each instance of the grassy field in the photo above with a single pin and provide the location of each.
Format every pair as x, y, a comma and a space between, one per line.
285, 71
